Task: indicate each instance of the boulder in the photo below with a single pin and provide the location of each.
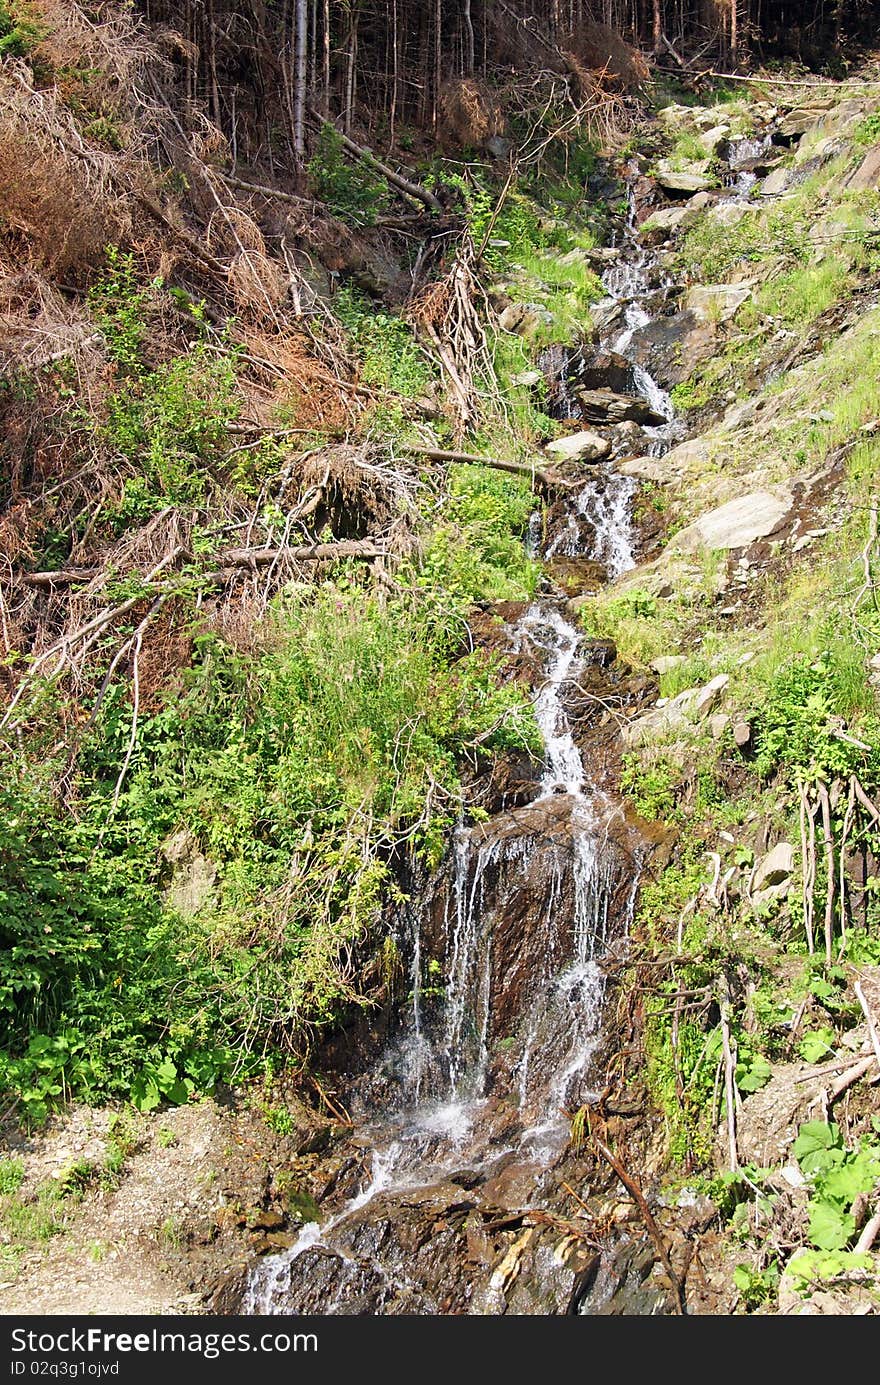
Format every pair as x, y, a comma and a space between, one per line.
694, 178
717, 302
798, 122
736, 524
606, 406
731, 213
661, 224
867, 175
775, 182
742, 735
601, 370
665, 662
692, 705
579, 447
645, 469
774, 868
714, 139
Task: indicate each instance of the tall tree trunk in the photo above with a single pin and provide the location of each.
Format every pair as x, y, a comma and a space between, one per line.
468, 54
326, 98
299, 77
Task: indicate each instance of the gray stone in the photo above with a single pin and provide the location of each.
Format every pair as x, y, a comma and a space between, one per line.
867, 175
665, 662
824, 150
579, 447
774, 868
731, 213
714, 139
608, 406
742, 735
527, 378
775, 182
798, 122
644, 469
717, 302
718, 725
692, 705
692, 179
193, 875
736, 524
660, 225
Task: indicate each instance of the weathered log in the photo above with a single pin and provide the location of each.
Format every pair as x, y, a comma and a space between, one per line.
232, 558
545, 479
397, 180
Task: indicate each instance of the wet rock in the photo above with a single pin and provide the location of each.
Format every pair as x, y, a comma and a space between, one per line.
717, 302
577, 575
627, 438
606, 406
579, 447
738, 523
605, 314
601, 370
672, 345
263, 1219
513, 782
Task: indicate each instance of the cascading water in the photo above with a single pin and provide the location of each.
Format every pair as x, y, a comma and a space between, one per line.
554, 858
484, 1078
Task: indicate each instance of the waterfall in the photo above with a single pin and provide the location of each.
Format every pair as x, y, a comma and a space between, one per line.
557, 859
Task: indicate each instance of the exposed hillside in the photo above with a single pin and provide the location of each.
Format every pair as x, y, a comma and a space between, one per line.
291, 438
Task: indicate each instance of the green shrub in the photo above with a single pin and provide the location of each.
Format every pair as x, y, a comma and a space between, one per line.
391, 357
353, 191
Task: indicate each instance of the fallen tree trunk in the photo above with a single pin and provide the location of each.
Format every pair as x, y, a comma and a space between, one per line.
233, 558
547, 480
306, 553
397, 180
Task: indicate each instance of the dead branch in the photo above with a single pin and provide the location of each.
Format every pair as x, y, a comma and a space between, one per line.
729, 1050
869, 1234
808, 854
397, 180
653, 1229
828, 842
851, 1075
545, 479
869, 1019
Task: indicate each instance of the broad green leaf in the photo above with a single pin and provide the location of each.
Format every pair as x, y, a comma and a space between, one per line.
830, 1228
814, 1140
752, 1076
817, 1044
857, 1175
